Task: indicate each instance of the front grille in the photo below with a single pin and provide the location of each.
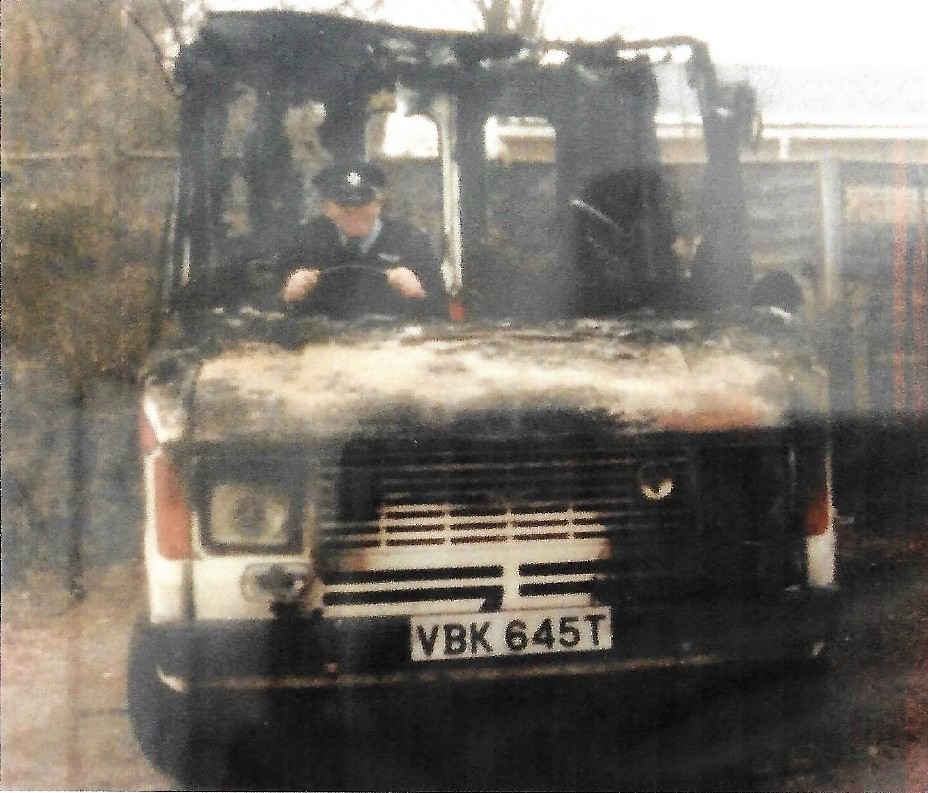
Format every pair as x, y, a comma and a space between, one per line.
411, 494
476, 523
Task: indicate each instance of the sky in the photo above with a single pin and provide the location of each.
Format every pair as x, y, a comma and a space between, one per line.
786, 31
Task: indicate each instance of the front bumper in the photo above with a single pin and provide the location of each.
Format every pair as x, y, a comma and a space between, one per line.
296, 652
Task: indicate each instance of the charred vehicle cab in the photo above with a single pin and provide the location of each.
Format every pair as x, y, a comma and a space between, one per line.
605, 459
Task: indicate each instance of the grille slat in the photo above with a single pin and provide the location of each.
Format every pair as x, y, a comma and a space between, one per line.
456, 491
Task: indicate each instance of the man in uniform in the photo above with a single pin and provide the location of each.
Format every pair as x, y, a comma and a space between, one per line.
352, 259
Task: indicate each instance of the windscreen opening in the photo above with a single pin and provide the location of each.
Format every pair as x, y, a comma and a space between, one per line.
565, 207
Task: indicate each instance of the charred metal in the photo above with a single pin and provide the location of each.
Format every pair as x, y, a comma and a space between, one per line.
606, 437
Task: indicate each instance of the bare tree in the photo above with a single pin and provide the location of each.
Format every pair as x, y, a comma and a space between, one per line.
80, 90
360, 9
523, 17
75, 76
164, 33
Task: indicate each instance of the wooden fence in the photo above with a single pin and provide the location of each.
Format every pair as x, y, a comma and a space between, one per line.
875, 277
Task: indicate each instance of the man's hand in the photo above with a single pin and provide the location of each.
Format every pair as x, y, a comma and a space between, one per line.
406, 282
300, 284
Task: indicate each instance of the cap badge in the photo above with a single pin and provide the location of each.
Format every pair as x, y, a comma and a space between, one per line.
353, 178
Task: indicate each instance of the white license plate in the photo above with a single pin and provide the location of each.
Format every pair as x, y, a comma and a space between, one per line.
469, 636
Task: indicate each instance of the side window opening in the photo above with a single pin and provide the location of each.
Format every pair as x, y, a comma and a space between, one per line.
236, 218
261, 184
625, 238
301, 125
522, 213
406, 144
275, 184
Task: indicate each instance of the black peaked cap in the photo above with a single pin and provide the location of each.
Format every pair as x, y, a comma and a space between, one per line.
351, 182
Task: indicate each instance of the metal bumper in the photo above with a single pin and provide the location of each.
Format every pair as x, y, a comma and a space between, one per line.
299, 652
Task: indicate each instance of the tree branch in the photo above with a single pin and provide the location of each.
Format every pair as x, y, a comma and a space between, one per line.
355, 8
158, 53
176, 31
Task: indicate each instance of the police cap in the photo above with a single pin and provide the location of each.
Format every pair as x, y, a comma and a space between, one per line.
350, 183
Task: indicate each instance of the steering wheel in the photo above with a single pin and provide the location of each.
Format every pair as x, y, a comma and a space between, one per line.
360, 268
352, 291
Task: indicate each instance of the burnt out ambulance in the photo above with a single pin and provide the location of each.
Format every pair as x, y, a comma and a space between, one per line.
608, 457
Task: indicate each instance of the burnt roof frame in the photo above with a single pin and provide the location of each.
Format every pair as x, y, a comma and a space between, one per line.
317, 55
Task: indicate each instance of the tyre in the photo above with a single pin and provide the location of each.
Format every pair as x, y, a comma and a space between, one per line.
165, 721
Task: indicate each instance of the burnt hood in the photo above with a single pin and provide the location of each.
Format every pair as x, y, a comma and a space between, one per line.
751, 371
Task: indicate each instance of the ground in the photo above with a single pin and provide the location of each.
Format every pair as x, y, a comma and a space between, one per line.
863, 726
64, 722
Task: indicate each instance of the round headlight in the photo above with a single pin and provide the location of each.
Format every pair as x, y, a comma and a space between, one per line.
250, 515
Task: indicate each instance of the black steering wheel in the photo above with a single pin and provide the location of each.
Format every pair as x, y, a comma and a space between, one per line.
350, 292
351, 267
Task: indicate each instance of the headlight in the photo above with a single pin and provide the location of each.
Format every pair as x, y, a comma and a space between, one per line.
251, 516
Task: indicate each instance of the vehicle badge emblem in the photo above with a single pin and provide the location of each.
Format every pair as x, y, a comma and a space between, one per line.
354, 178
655, 481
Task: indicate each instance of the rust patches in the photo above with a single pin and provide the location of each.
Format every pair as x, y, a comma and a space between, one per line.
743, 415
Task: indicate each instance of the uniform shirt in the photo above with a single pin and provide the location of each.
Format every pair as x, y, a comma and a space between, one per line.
352, 291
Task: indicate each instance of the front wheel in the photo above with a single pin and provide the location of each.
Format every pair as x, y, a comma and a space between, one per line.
165, 721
